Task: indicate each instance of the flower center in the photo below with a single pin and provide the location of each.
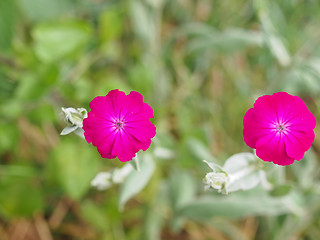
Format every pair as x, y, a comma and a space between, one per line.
281, 128
119, 124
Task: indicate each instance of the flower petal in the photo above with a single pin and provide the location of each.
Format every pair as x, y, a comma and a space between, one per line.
271, 148
119, 125
118, 101
133, 101
125, 147
100, 134
264, 107
284, 106
297, 143
140, 112
255, 127
280, 127
141, 130
102, 107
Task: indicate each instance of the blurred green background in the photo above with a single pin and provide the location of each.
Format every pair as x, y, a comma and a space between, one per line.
200, 64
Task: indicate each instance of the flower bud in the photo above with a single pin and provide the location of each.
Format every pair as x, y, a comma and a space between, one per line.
216, 180
102, 181
74, 118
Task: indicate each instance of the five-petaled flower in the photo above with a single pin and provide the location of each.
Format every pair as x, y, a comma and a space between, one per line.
280, 128
119, 125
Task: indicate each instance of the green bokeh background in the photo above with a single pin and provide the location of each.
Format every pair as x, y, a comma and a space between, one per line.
200, 64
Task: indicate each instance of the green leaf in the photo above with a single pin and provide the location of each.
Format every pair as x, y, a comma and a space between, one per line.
153, 224
199, 150
12, 109
141, 78
7, 87
241, 204
74, 167
17, 171
281, 190
20, 196
94, 215
38, 10
182, 189
9, 136
136, 181
35, 84
205, 38
55, 41
155, 220
278, 49
273, 37
45, 113
110, 25
7, 19
143, 22
303, 77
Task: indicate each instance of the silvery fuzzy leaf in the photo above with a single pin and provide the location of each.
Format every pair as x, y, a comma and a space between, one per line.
83, 111
213, 166
102, 181
68, 129
120, 174
80, 132
238, 162
136, 181
163, 153
243, 172
135, 163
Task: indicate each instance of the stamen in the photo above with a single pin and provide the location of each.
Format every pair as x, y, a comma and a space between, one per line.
281, 128
119, 124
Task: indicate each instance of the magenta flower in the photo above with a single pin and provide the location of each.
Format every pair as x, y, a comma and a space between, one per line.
280, 128
119, 125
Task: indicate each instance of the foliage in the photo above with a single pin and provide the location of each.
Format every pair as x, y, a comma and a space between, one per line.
200, 65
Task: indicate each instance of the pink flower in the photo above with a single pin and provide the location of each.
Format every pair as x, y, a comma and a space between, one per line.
280, 128
119, 125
